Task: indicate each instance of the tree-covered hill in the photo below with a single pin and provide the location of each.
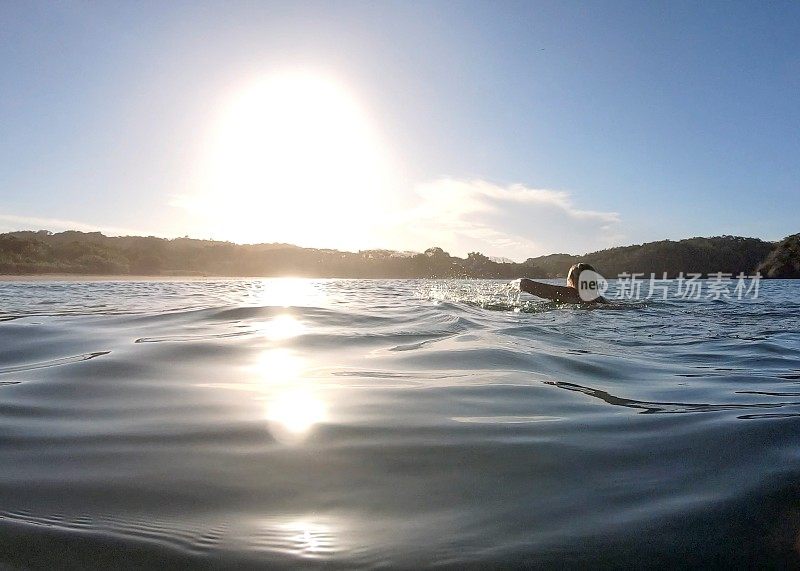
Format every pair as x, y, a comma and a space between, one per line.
73, 252
784, 260
728, 254
93, 253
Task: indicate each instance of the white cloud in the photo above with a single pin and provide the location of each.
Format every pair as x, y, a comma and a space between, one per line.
512, 221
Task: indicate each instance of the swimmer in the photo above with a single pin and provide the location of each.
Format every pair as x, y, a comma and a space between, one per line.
564, 294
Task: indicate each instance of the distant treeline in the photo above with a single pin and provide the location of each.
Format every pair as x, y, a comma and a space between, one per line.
73, 252
94, 253
727, 254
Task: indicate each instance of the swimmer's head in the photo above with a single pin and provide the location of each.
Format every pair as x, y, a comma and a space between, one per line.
574, 273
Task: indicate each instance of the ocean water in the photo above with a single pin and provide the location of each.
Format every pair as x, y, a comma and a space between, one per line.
361, 423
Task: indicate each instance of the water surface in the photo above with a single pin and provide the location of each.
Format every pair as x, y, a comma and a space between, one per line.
362, 423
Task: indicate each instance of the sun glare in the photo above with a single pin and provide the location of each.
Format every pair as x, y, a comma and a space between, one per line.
295, 159
293, 406
295, 411
281, 327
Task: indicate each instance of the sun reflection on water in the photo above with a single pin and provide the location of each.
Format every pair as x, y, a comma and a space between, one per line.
293, 406
289, 292
305, 538
280, 327
310, 538
293, 413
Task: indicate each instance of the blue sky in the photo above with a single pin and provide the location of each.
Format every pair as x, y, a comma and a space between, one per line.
513, 128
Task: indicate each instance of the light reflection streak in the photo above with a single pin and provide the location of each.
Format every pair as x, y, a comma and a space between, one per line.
277, 366
280, 327
292, 413
293, 407
307, 538
310, 538
289, 292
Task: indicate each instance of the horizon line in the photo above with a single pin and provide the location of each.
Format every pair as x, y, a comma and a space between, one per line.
187, 237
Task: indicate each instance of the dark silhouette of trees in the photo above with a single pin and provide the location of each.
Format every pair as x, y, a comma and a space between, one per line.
729, 254
784, 260
92, 252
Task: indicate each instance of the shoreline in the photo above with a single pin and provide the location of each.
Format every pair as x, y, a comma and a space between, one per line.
185, 278
22, 278
111, 278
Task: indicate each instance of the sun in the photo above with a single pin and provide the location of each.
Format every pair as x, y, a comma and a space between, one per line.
294, 157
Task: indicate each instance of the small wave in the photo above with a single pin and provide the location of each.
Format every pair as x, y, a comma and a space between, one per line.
191, 539
769, 393
506, 419
769, 415
654, 407
53, 363
188, 338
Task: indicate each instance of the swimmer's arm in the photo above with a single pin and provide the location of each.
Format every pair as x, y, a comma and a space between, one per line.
560, 294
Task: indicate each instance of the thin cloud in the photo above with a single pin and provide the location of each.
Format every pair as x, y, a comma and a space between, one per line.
11, 222
513, 221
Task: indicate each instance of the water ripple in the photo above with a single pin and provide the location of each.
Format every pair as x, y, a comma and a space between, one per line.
53, 363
